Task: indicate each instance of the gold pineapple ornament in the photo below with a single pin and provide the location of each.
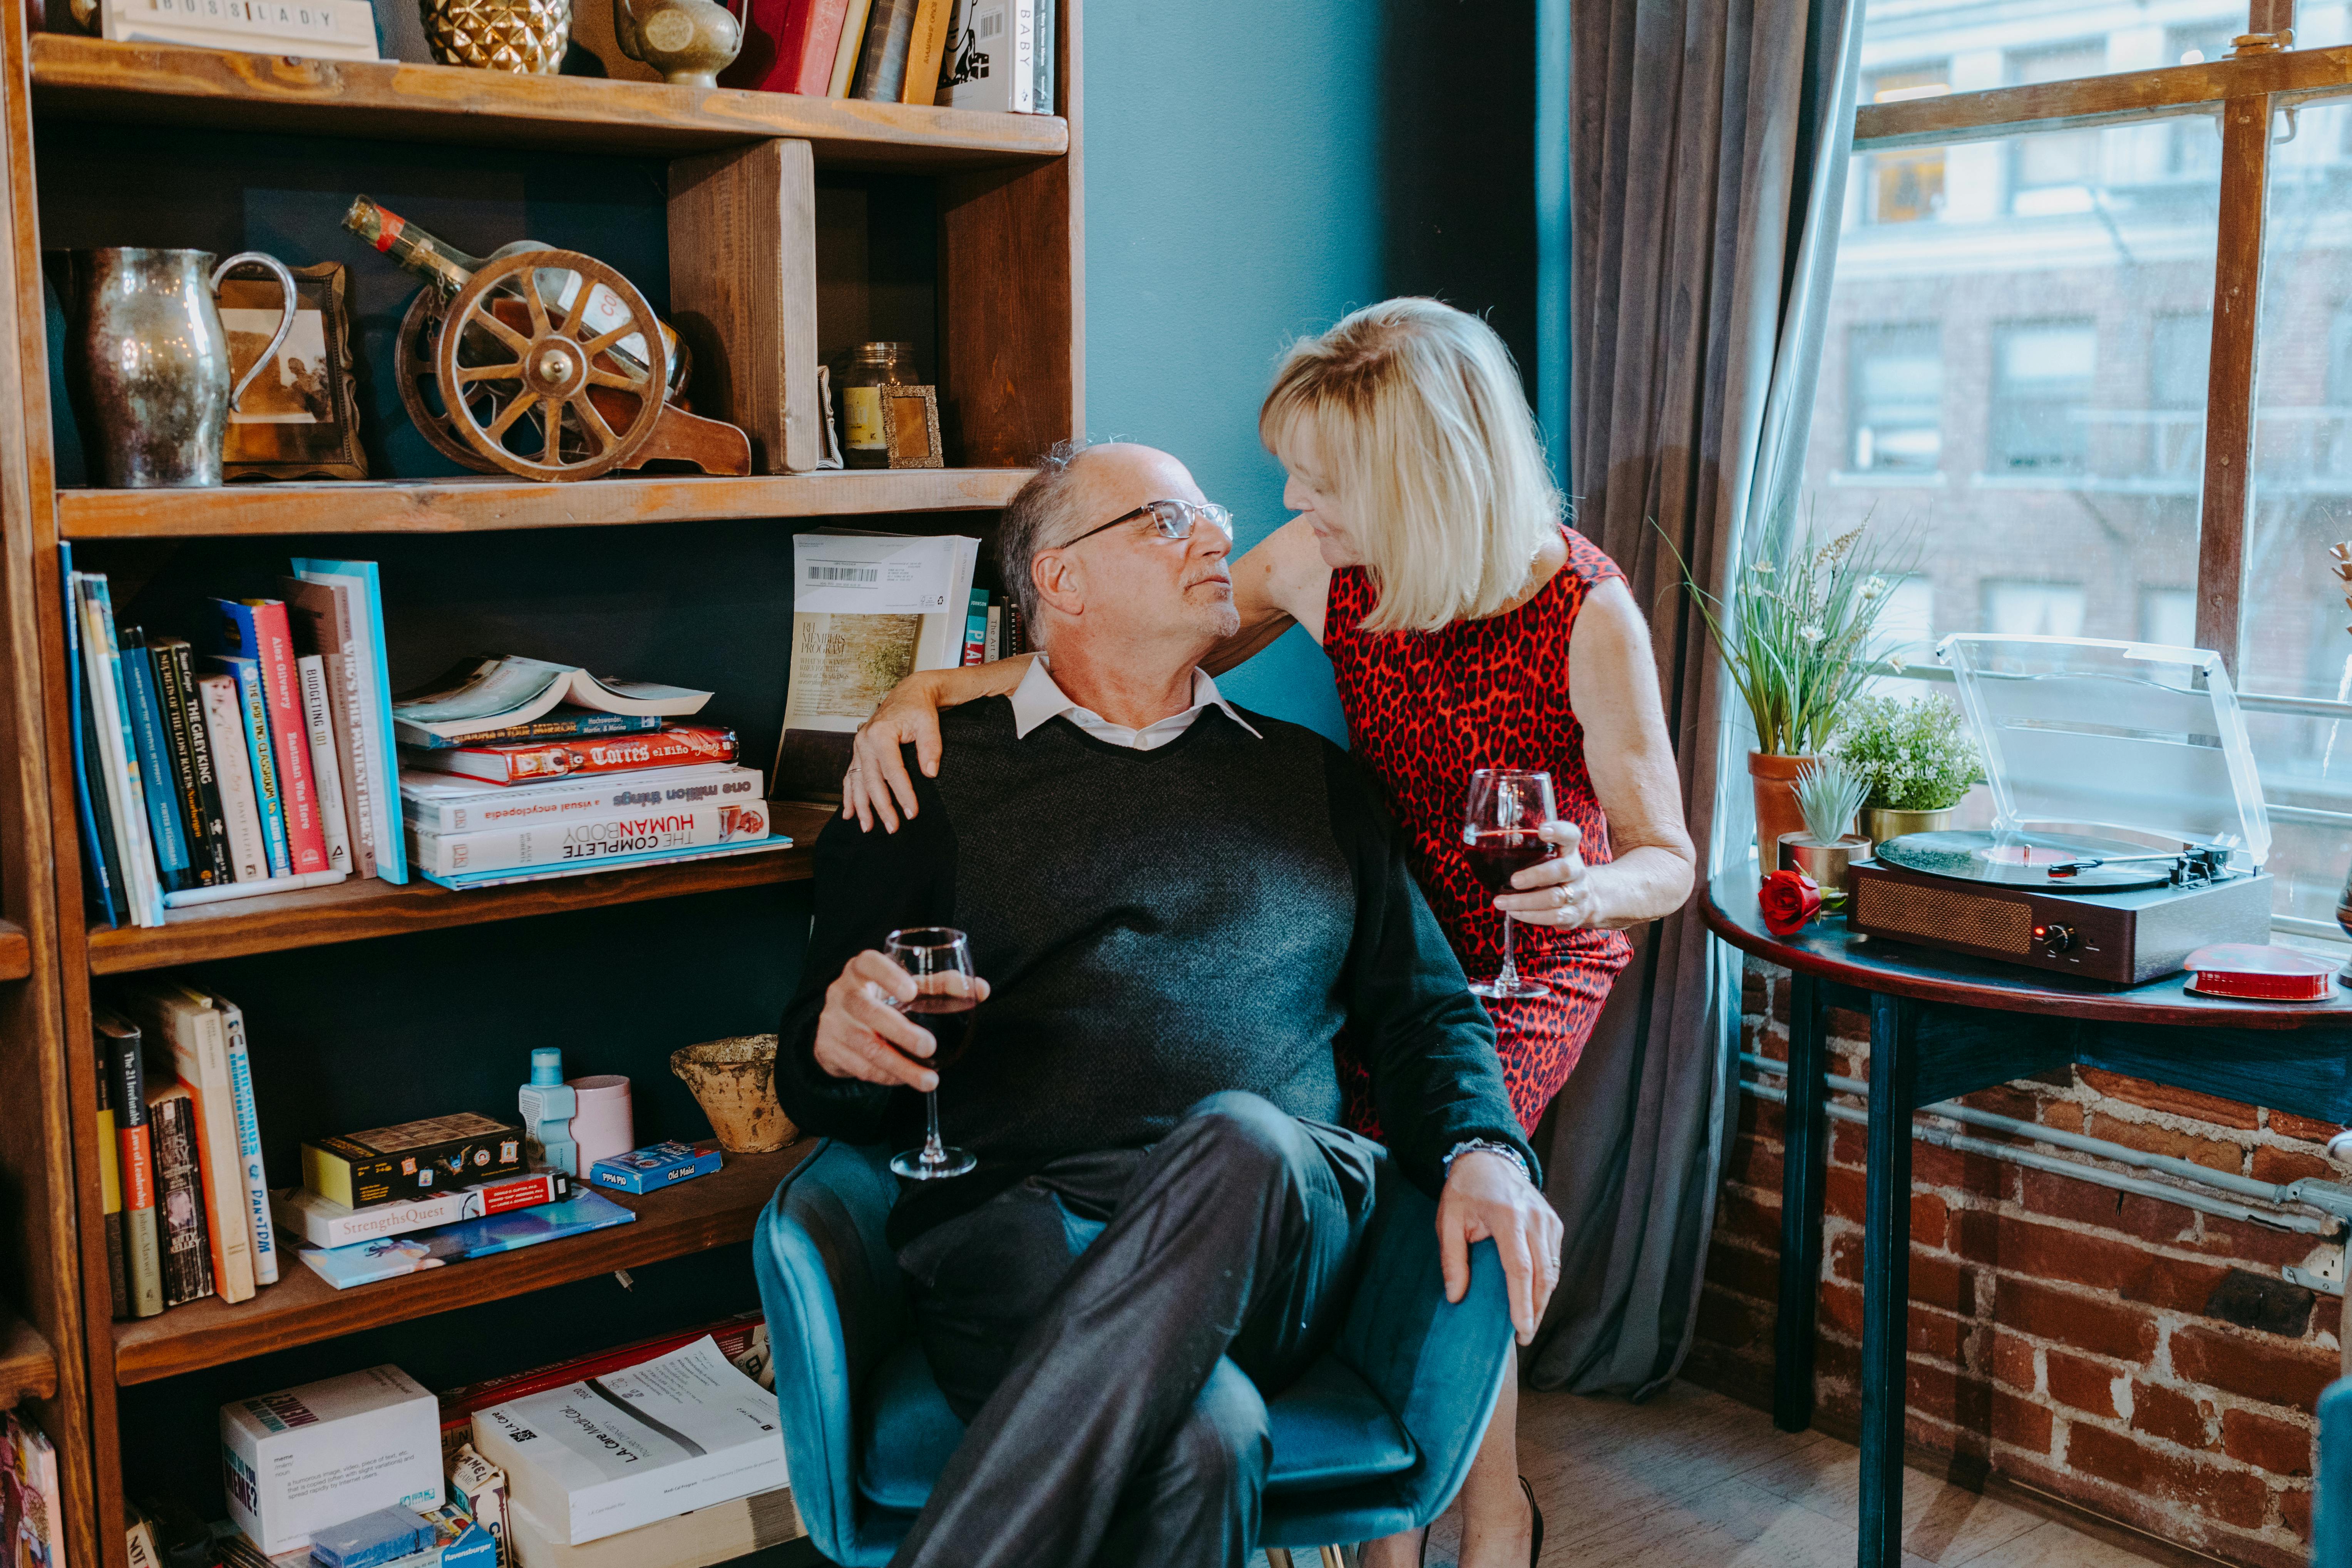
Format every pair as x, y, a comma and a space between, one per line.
527, 37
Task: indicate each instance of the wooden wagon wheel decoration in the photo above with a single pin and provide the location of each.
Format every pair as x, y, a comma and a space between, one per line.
420, 384
534, 364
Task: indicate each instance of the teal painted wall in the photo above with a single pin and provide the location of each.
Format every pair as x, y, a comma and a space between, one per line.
1254, 172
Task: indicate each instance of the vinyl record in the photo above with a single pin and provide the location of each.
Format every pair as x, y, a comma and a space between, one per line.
2026, 860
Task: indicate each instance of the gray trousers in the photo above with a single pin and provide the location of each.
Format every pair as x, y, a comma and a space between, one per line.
1111, 1329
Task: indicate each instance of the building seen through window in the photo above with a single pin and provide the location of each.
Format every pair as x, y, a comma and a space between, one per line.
1897, 399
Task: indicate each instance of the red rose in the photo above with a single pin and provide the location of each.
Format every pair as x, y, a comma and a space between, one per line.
1789, 899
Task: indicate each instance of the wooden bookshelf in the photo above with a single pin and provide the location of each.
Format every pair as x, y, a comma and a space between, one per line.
457, 506
89, 78
28, 1368
15, 951
363, 907
710, 1211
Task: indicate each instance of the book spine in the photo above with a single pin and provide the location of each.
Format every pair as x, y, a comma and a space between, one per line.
248, 855
1016, 631
548, 729
350, 739
264, 1234
672, 748
199, 1041
110, 1190
142, 1256
183, 710
159, 791
1023, 21
582, 868
813, 51
297, 791
882, 64
975, 629
360, 597
851, 45
922, 79
325, 772
128, 802
180, 1201
97, 846
253, 712
994, 650
512, 806
599, 838
1042, 95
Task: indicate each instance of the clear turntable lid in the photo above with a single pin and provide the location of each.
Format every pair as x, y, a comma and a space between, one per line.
2112, 734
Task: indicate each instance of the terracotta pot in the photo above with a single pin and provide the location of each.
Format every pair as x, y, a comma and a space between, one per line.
1824, 863
1885, 822
1775, 778
735, 1081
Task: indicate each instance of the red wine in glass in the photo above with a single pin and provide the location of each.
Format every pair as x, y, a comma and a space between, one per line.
938, 960
1499, 853
938, 1014
1503, 814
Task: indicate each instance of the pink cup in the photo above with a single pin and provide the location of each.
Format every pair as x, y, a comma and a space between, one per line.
604, 1125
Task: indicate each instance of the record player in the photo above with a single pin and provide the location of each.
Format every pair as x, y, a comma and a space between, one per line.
2082, 740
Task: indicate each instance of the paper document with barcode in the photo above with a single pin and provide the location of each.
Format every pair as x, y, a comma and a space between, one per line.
872, 574
638, 1445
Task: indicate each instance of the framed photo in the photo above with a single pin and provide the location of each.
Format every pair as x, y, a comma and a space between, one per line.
300, 419
910, 426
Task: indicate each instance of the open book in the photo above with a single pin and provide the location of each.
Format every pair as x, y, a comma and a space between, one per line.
494, 693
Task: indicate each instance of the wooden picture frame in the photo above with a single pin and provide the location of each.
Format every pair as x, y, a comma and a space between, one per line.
300, 419
910, 426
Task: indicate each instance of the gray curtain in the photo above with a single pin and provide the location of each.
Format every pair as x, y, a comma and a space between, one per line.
1708, 144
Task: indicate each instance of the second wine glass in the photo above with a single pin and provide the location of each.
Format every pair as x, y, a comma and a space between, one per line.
946, 1002
1503, 815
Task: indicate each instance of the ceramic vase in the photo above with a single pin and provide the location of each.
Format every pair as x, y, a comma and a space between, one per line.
1880, 823
1775, 778
1824, 863
734, 1080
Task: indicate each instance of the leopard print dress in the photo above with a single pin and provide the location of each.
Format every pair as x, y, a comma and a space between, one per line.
1424, 709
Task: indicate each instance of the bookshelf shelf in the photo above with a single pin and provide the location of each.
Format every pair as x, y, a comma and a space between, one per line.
712, 1211
28, 1368
461, 506
16, 953
362, 907
78, 78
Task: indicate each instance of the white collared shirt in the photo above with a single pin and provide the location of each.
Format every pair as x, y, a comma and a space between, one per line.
1039, 698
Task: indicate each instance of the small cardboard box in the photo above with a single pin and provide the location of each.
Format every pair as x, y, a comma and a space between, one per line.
414, 1159
655, 1166
316, 1456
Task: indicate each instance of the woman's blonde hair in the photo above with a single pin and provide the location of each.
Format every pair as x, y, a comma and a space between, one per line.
1427, 441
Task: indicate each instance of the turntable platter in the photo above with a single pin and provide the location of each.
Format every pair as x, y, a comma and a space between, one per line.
2027, 860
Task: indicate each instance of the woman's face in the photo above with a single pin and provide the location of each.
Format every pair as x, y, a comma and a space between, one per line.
1304, 492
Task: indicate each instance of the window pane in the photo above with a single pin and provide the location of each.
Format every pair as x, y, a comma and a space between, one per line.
2294, 641
1897, 398
1998, 43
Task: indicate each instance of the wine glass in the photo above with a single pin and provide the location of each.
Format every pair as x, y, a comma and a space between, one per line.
948, 1002
1501, 819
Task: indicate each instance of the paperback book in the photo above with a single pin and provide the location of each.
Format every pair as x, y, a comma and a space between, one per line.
442, 803
323, 1223
678, 745
392, 1257
495, 692
598, 837
613, 863
359, 606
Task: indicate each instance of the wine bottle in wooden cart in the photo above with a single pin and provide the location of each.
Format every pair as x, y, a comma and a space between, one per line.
558, 369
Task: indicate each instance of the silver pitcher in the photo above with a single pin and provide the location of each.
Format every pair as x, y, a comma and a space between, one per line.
158, 364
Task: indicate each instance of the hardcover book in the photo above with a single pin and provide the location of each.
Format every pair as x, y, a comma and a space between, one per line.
90, 798
599, 837
448, 803
613, 863
253, 715
788, 45
109, 1188
360, 598
680, 745
142, 1251
248, 850
257, 629
159, 791
126, 797
190, 1028
323, 1223
180, 1196
248, 1144
317, 615
882, 63
326, 768
392, 1257
200, 796
561, 724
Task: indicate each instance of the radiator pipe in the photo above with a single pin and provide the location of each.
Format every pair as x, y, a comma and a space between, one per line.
2310, 1225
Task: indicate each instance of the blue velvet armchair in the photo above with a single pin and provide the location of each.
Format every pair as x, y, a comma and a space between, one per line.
1375, 1438
2331, 1512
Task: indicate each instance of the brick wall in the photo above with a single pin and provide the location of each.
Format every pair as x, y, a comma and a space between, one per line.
2138, 1358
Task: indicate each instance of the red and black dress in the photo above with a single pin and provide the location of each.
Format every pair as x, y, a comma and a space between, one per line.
1424, 709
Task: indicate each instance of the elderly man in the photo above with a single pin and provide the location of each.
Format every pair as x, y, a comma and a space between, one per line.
1179, 906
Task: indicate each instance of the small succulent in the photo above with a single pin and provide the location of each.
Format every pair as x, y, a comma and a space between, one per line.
1829, 792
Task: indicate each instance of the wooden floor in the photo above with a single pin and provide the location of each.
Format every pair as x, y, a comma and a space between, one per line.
1694, 1480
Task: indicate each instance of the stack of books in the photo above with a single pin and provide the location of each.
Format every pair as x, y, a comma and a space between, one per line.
516, 769
256, 758
963, 54
182, 1191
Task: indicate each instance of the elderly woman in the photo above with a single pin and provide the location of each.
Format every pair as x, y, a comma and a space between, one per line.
1467, 629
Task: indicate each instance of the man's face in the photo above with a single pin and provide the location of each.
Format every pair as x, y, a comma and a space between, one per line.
1133, 580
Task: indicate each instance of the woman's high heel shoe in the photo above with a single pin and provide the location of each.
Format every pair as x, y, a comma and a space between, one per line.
1534, 1513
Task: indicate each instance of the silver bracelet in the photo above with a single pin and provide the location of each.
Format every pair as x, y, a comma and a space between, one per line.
1489, 1144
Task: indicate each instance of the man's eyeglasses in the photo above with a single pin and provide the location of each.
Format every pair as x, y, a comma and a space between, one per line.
1173, 519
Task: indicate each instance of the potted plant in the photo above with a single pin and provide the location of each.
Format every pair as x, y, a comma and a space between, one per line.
1794, 628
1919, 759
1829, 794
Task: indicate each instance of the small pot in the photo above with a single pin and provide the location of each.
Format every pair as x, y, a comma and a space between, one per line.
1824, 863
1775, 778
1882, 823
735, 1083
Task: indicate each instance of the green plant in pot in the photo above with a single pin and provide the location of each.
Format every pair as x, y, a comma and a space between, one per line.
1919, 759
1794, 628
1829, 794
